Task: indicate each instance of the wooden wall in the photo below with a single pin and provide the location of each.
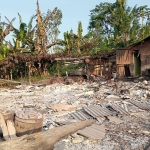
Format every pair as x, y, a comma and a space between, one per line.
126, 56
144, 51
123, 57
97, 66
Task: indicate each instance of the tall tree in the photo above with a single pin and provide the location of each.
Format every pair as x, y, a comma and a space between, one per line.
143, 14
117, 22
43, 25
52, 28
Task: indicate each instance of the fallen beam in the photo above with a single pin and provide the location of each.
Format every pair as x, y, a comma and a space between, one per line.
10, 81
43, 140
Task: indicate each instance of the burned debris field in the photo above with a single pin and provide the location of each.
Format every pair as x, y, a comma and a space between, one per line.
118, 111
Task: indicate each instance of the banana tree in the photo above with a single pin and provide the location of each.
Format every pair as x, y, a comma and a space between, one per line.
5, 29
23, 37
41, 39
4, 50
68, 42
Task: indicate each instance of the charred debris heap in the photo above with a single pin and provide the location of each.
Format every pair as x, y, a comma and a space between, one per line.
97, 113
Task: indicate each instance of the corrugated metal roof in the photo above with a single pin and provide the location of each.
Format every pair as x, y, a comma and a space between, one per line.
136, 43
97, 111
94, 132
125, 106
80, 115
141, 105
122, 109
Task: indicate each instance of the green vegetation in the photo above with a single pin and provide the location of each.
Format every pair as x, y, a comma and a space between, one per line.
33, 49
118, 25
59, 69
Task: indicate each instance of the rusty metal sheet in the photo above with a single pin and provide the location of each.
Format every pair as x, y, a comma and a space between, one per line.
94, 132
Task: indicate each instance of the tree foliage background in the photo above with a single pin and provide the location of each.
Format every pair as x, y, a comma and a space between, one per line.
32, 48
119, 25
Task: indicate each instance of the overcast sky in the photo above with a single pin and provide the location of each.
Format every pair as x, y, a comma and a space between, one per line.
72, 10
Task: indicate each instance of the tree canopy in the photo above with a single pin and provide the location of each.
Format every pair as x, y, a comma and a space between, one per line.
119, 25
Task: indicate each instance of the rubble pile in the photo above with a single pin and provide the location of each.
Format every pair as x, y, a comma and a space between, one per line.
120, 110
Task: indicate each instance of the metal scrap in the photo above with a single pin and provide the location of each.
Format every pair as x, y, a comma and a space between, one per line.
122, 109
98, 111
94, 132
80, 115
141, 105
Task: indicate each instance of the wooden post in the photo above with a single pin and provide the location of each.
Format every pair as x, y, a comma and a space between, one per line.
109, 64
101, 66
11, 74
87, 71
58, 73
29, 71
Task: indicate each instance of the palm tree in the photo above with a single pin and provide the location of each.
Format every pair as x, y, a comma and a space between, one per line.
79, 36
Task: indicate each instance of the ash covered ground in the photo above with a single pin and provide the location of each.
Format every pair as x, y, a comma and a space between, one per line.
127, 128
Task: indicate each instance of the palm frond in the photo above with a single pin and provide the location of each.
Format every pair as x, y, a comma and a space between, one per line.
20, 18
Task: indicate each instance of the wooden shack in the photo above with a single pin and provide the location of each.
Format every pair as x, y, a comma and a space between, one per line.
93, 65
134, 60
100, 64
